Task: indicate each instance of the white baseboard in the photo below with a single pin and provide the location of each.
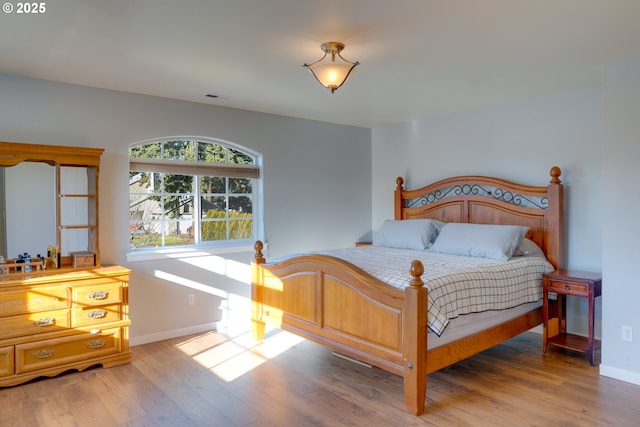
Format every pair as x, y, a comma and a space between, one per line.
174, 333
620, 374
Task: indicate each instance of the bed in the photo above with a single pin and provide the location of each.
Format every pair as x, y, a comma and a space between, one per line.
338, 304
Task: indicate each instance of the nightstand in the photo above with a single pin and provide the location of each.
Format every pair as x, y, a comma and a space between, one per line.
564, 283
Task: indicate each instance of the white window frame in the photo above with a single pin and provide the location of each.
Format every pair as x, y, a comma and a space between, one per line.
197, 169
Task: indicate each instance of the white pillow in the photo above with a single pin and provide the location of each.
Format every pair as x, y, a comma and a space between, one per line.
479, 240
408, 233
528, 248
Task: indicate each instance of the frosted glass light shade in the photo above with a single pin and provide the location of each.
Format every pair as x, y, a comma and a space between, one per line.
332, 70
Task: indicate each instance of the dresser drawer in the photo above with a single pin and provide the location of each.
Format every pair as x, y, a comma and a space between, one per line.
58, 351
33, 300
568, 288
87, 316
36, 323
6, 361
108, 292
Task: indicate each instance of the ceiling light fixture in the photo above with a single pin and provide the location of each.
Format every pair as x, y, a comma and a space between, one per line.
333, 72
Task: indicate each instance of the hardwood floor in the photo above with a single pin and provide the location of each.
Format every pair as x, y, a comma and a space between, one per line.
226, 379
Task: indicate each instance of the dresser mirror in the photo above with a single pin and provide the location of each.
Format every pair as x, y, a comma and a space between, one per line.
29, 202
49, 199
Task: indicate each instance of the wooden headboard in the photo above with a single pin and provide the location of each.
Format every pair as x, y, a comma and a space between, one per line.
486, 200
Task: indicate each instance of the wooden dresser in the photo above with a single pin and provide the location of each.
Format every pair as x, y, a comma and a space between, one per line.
55, 320
62, 311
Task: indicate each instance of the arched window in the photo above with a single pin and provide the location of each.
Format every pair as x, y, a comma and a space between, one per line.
186, 191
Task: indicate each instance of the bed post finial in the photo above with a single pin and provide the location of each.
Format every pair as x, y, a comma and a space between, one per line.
416, 270
397, 198
555, 173
258, 257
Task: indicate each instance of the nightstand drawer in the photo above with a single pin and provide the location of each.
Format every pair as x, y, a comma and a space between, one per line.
568, 288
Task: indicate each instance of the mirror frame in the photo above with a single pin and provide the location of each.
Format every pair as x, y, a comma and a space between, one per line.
14, 153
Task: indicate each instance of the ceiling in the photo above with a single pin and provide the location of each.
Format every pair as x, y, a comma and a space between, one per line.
419, 58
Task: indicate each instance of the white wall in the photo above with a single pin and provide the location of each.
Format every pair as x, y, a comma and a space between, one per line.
621, 229
520, 142
317, 188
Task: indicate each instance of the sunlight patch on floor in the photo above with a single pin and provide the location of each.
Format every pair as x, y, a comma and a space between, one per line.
238, 354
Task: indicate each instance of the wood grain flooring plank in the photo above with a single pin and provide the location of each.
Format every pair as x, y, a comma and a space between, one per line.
220, 379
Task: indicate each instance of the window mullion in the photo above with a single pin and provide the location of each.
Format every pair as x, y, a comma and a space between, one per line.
163, 210
197, 214
226, 199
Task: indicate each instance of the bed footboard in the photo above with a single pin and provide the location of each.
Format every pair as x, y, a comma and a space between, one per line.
336, 304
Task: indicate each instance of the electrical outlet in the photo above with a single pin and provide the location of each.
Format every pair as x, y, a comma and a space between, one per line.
191, 299
627, 333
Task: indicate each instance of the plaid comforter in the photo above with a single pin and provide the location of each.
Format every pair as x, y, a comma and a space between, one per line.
457, 284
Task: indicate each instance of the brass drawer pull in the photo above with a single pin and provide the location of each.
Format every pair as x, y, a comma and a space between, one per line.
97, 314
96, 343
44, 354
47, 321
98, 295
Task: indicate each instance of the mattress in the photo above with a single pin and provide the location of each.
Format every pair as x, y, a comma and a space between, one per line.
469, 324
